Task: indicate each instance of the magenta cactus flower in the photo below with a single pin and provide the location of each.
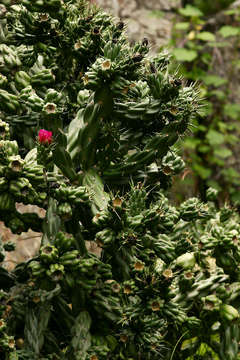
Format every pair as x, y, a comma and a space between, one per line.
45, 136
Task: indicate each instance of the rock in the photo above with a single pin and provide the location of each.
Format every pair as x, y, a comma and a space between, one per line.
27, 244
144, 18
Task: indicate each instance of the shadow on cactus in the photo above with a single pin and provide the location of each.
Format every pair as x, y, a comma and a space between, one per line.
93, 122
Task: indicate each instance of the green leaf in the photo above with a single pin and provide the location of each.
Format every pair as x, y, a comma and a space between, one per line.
182, 54
218, 93
232, 110
214, 184
206, 58
219, 44
203, 172
222, 152
231, 173
235, 197
214, 137
191, 143
219, 162
214, 80
189, 343
204, 148
207, 109
228, 30
233, 11
182, 26
202, 127
232, 139
190, 11
236, 63
203, 348
206, 36
221, 125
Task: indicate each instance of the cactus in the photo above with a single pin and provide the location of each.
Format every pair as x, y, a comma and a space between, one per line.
88, 130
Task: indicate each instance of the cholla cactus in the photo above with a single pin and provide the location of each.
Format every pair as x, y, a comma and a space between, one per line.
93, 122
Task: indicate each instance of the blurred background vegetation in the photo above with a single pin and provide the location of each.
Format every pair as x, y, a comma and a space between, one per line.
204, 37
206, 40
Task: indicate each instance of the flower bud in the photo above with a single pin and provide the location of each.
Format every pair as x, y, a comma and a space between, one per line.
48, 109
55, 272
4, 130
16, 164
228, 312
2, 325
44, 136
48, 254
211, 302
186, 261
106, 65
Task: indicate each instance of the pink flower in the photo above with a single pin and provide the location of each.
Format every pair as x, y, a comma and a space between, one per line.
44, 136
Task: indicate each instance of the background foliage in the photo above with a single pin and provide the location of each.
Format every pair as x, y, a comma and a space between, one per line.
208, 49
